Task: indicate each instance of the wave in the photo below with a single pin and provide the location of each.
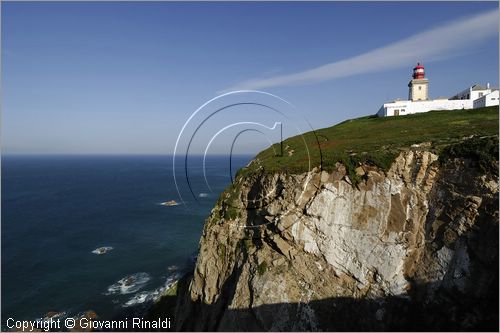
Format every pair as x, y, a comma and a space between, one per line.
53, 315
152, 295
129, 284
139, 298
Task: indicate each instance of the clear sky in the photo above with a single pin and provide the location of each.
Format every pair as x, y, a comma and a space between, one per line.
123, 77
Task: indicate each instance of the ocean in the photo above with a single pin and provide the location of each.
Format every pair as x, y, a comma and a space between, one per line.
57, 209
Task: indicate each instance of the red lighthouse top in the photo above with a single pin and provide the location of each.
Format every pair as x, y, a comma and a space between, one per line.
418, 72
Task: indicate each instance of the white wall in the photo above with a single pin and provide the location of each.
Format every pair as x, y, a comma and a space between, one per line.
410, 107
487, 98
419, 90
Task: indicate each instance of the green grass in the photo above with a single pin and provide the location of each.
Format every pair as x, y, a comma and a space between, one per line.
222, 252
484, 151
261, 269
374, 140
172, 291
232, 212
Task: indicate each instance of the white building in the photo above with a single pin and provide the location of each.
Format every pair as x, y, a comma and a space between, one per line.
418, 98
486, 100
474, 92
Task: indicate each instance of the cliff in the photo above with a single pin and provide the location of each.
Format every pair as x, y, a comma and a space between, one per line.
412, 246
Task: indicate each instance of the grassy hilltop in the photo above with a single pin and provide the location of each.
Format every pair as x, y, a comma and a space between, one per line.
379, 140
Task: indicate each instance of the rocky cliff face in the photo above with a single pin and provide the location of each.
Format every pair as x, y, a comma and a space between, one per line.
412, 248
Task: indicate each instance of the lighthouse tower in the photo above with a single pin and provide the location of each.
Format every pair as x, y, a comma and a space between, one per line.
419, 85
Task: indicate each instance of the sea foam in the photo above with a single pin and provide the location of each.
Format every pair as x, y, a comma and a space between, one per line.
129, 284
152, 295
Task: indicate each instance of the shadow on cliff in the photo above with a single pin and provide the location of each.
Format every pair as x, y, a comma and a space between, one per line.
428, 306
451, 311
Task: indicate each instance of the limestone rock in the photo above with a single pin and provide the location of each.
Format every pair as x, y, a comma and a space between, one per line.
407, 249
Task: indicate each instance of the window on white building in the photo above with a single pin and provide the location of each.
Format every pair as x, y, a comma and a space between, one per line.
480, 94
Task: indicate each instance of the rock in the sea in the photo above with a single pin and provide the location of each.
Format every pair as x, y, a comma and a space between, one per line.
129, 281
89, 316
102, 250
53, 315
170, 203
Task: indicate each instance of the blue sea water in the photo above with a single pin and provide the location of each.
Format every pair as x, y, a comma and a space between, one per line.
57, 209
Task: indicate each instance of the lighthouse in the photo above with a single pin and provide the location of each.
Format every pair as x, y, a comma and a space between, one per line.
418, 98
419, 85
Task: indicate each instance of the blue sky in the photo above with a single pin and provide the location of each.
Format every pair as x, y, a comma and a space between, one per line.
123, 77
